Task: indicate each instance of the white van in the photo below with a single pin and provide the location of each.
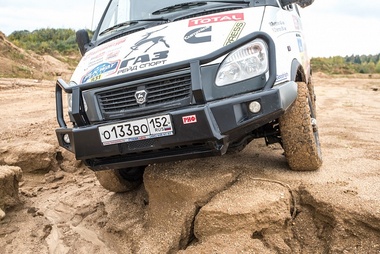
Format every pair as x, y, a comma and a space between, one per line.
173, 80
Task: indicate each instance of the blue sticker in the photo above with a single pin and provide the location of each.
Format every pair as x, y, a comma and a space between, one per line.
300, 45
99, 70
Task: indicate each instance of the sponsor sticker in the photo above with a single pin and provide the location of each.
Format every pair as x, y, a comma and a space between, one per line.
198, 35
216, 18
134, 62
189, 119
278, 26
235, 32
300, 45
100, 50
297, 23
143, 61
99, 71
282, 77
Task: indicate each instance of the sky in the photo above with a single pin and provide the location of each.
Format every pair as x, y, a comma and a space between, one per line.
332, 27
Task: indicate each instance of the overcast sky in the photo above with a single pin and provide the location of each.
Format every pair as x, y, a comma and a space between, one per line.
332, 27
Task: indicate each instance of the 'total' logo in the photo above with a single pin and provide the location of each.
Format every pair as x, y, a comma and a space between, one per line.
216, 18
189, 119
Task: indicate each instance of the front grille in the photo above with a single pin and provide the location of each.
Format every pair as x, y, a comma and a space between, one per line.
159, 91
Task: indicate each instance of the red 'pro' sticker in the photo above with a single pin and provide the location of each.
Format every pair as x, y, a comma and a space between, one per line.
189, 119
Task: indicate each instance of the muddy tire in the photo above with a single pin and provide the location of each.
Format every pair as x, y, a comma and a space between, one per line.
313, 97
299, 133
120, 180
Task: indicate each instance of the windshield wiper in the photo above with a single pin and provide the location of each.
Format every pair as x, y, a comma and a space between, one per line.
128, 23
187, 5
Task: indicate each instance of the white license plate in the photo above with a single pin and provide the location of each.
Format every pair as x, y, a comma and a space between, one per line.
147, 128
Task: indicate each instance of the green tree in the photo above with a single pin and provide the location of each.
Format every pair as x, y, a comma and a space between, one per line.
357, 60
377, 67
46, 40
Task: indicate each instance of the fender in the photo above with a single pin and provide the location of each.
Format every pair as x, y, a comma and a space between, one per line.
297, 72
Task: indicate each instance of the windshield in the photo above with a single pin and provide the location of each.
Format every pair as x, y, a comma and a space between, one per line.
122, 11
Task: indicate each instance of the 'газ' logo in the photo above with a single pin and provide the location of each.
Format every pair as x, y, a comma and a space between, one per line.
141, 96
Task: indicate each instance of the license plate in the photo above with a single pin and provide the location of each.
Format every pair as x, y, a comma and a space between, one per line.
141, 129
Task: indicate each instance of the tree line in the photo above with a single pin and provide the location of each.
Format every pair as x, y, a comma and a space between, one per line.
367, 64
46, 40
63, 41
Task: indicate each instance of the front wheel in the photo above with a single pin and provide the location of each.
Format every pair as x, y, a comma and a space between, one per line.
120, 180
299, 133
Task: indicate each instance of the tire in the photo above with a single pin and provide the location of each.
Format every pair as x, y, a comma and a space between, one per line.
299, 133
120, 180
313, 97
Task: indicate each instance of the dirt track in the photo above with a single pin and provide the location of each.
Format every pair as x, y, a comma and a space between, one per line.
64, 209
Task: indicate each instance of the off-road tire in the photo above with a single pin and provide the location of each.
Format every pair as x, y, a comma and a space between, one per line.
313, 97
299, 133
119, 180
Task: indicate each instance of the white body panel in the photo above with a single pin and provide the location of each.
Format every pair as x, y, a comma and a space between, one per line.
187, 39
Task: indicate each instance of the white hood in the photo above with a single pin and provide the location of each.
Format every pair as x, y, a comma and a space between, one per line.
167, 44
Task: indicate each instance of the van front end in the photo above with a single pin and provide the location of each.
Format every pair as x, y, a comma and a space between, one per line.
175, 111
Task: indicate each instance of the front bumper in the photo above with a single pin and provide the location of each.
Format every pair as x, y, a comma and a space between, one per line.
218, 124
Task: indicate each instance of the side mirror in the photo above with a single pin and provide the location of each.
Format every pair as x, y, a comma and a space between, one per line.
82, 40
302, 3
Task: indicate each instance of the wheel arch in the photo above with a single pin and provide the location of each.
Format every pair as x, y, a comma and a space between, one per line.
298, 72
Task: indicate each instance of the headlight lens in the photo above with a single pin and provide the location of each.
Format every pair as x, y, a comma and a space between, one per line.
70, 102
70, 97
246, 62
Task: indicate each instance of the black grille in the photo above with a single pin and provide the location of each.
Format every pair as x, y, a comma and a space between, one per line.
159, 91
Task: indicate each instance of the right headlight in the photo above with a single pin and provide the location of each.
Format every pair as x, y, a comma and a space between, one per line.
246, 62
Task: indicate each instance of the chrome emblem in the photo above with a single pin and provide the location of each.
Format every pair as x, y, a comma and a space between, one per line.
141, 96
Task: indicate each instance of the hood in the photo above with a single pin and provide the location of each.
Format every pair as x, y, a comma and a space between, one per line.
167, 44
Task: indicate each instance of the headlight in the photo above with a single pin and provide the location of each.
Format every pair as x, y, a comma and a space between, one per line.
246, 62
70, 102
70, 99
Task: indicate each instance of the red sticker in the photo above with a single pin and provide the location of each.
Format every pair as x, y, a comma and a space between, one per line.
189, 119
216, 18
